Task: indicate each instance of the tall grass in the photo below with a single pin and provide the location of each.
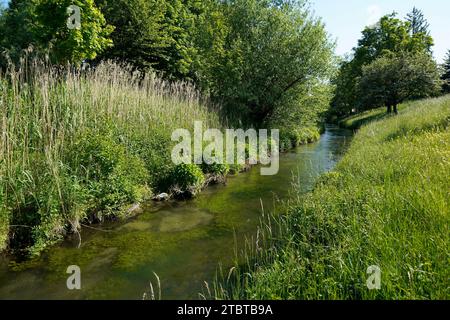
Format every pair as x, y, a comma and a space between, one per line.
75, 143
385, 204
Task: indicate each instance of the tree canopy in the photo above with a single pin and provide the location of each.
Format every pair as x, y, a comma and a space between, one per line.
42, 24
389, 35
417, 22
153, 34
254, 53
257, 58
391, 79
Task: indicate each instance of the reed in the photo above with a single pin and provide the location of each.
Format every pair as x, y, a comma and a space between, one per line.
66, 132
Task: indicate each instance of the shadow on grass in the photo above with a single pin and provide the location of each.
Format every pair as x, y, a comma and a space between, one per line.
357, 121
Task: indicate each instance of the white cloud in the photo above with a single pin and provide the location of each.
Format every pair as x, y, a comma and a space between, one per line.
374, 14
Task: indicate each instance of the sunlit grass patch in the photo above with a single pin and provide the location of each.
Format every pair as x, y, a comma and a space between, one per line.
385, 204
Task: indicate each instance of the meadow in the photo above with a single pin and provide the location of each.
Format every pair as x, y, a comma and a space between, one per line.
386, 204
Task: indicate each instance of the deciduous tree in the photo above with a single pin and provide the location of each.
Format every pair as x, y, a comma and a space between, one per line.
391, 79
390, 34
42, 24
153, 34
264, 50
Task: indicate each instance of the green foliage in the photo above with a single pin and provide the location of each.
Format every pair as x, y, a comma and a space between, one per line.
294, 136
4, 218
390, 34
153, 34
446, 74
83, 146
111, 176
385, 204
357, 120
42, 24
330, 178
155, 151
37, 204
391, 79
15, 33
255, 53
217, 169
300, 115
187, 180
236, 168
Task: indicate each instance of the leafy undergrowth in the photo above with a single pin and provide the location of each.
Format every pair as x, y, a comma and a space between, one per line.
386, 204
295, 136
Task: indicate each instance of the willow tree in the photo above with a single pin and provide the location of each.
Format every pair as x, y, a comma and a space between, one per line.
260, 51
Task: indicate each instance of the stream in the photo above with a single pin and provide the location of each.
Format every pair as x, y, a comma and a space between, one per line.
182, 242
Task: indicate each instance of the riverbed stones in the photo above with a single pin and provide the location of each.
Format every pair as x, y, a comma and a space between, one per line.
161, 197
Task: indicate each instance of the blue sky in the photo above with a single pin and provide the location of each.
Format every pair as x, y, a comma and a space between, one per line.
345, 19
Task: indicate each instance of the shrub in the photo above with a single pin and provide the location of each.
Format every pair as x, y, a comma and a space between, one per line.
187, 180
154, 150
111, 176
216, 169
292, 137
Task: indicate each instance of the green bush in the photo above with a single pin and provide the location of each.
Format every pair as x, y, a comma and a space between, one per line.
187, 180
110, 176
154, 150
292, 137
216, 169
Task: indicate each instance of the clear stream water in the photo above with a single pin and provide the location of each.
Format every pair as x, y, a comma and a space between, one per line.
182, 242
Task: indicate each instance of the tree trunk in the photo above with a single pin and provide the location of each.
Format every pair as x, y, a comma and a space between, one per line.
395, 109
389, 109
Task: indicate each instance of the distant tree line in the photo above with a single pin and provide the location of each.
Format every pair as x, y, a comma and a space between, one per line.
260, 59
392, 62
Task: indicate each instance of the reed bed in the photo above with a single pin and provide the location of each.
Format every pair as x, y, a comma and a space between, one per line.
62, 129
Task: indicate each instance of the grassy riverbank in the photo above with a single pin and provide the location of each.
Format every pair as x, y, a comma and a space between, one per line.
82, 146
385, 204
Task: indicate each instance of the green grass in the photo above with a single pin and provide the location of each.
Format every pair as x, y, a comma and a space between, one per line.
356, 121
385, 204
